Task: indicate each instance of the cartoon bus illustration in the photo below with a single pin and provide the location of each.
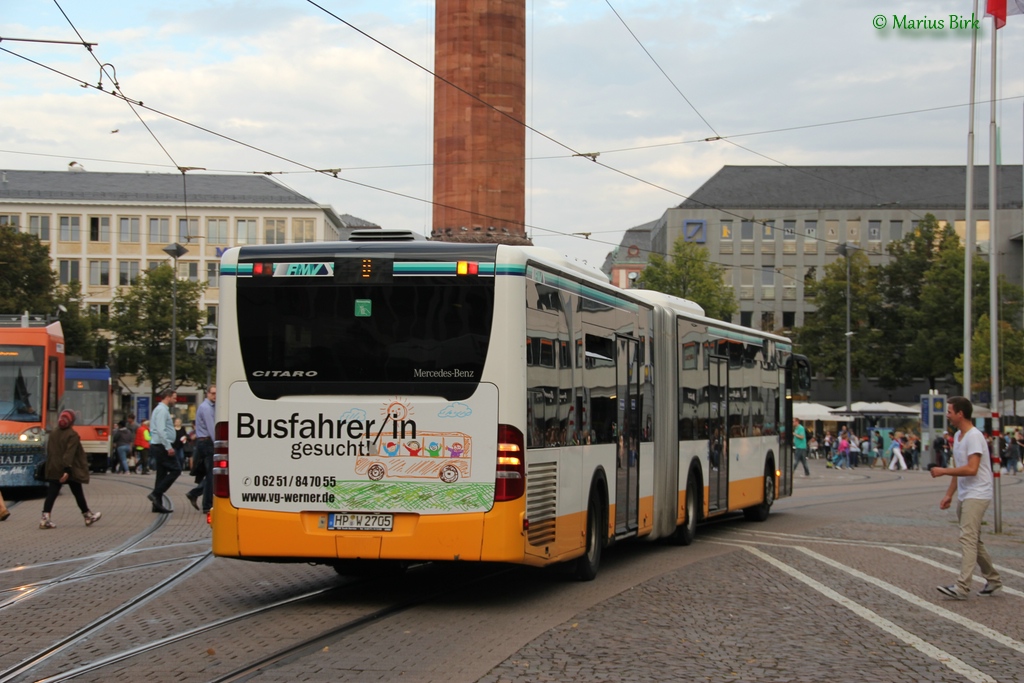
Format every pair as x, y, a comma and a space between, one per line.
443, 455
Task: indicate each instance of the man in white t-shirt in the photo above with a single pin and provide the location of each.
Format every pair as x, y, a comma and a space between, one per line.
972, 483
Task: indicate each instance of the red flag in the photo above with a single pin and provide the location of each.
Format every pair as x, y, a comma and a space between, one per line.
1000, 9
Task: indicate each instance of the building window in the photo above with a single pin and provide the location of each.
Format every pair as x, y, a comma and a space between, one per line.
853, 232
217, 231
8, 220
127, 272
99, 228
726, 230
768, 321
767, 282
247, 231
810, 231
69, 271
746, 283
153, 265
211, 315
874, 231
99, 273
101, 311
895, 231
188, 229
789, 230
273, 231
70, 229
128, 229
788, 320
40, 227
768, 231
159, 229
746, 318
303, 230
788, 274
188, 270
212, 274
747, 230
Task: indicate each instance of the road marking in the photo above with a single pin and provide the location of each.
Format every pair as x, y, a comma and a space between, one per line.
919, 602
941, 656
932, 563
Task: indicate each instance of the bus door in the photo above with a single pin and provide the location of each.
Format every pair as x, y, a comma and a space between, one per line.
627, 444
718, 437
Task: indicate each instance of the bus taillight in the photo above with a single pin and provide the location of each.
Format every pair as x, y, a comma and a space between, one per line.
510, 479
220, 461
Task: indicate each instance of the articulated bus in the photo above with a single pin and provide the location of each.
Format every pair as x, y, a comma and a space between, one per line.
386, 400
89, 393
31, 385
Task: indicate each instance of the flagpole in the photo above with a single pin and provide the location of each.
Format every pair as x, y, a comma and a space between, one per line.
993, 291
969, 215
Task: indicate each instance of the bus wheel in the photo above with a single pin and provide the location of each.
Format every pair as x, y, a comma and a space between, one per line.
687, 531
449, 474
759, 513
587, 565
376, 472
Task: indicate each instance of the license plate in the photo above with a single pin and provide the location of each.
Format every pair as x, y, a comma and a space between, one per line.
362, 521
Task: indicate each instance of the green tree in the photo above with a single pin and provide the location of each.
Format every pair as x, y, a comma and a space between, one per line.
141, 322
823, 336
81, 336
689, 274
27, 279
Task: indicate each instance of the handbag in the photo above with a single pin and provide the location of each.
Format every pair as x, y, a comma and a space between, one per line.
39, 473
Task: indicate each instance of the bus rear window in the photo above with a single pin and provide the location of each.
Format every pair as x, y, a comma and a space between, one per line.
401, 336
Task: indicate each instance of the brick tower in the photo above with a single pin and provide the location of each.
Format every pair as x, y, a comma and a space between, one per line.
479, 155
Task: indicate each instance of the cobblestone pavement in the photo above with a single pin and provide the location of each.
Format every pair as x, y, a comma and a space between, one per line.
838, 584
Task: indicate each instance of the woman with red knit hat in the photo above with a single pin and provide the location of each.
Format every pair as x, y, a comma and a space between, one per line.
66, 463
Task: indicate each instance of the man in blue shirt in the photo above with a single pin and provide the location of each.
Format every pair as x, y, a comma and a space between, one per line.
161, 449
800, 446
204, 451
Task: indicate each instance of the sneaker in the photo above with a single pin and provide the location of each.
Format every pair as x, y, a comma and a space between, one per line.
989, 589
193, 498
91, 517
952, 592
45, 522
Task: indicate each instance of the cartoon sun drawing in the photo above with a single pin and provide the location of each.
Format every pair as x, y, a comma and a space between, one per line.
397, 410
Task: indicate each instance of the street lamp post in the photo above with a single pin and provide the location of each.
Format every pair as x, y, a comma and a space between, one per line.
844, 249
208, 342
175, 251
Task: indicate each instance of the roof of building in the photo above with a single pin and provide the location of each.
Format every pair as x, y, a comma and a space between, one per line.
853, 187
635, 247
146, 187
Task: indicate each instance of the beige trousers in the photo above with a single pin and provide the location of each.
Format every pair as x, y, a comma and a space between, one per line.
970, 512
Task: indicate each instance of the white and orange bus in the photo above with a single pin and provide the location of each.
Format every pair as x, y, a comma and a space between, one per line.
387, 400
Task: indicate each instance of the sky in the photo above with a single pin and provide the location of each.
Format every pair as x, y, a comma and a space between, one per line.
282, 86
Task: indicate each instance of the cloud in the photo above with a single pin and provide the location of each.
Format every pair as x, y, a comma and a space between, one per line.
455, 410
353, 414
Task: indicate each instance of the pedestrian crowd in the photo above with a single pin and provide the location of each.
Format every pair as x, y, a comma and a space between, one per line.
161, 445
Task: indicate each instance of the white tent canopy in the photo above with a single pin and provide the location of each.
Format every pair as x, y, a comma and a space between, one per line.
810, 412
878, 408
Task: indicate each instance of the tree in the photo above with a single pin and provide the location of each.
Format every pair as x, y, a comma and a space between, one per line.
141, 322
81, 338
27, 279
1011, 357
823, 336
691, 276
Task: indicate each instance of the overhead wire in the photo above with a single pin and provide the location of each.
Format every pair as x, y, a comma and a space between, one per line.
335, 172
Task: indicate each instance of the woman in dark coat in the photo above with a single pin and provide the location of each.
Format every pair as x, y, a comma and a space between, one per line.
66, 463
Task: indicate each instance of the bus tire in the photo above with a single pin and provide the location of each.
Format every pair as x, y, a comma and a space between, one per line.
587, 564
686, 532
449, 474
376, 472
759, 512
